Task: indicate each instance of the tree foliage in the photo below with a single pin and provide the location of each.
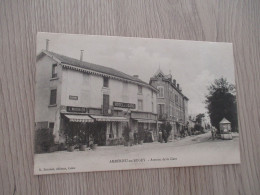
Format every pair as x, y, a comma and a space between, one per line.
166, 129
199, 118
221, 102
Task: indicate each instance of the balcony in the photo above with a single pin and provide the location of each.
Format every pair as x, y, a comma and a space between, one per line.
162, 116
144, 115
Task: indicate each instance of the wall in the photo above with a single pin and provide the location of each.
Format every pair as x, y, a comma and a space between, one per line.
89, 89
172, 108
44, 83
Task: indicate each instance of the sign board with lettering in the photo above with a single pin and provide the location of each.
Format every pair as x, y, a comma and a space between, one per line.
73, 97
123, 105
76, 109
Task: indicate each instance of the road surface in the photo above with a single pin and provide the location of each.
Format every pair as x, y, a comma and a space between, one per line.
189, 151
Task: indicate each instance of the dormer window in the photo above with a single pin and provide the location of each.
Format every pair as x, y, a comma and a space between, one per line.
54, 71
105, 81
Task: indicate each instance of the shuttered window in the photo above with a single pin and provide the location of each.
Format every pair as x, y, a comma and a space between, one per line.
54, 71
140, 105
105, 103
140, 89
161, 91
53, 96
105, 82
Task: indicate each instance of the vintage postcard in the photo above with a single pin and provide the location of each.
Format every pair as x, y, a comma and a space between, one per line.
107, 103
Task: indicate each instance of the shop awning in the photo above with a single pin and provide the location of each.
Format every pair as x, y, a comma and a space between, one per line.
80, 118
145, 121
110, 118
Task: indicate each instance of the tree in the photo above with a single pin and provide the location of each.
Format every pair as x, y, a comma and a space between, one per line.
166, 128
126, 133
44, 140
221, 102
199, 118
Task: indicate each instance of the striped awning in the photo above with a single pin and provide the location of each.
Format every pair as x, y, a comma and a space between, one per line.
80, 118
145, 121
109, 118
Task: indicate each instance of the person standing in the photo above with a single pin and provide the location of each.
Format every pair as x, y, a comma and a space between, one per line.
160, 136
213, 133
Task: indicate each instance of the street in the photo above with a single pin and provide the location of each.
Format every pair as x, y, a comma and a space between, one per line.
189, 151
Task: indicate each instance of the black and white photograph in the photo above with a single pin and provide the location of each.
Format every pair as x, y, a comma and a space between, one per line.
106, 103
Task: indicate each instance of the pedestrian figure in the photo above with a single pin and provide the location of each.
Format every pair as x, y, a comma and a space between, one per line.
135, 138
213, 133
91, 142
160, 136
164, 135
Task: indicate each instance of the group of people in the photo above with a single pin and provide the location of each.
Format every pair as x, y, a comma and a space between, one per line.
163, 136
213, 133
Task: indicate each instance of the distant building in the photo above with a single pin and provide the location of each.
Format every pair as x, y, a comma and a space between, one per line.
172, 104
104, 99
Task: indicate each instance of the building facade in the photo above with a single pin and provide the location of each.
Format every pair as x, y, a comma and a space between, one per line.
172, 104
103, 99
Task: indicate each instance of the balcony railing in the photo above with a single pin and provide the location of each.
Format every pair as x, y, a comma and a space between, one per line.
162, 116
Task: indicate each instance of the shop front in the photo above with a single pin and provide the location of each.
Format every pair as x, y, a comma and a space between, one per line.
102, 130
144, 124
75, 129
108, 130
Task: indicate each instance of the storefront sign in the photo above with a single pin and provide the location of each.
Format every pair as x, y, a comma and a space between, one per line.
123, 105
72, 97
76, 109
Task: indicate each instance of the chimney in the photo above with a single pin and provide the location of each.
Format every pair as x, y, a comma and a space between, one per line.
81, 55
174, 82
136, 76
178, 86
47, 44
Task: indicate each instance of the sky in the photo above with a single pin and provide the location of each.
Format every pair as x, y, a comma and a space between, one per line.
194, 64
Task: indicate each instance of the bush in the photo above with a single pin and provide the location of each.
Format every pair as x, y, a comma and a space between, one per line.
115, 141
148, 136
126, 133
141, 135
166, 129
44, 140
71, 134
198, 127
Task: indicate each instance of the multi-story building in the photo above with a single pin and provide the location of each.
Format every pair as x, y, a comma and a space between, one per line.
172, 104
103, 99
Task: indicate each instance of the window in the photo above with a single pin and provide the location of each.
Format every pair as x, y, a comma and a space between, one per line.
140, 90
105, 81
176, 99
105, 104
160, 109
54, 71
51, 125
53, 96
152, 107
161, 91
140, 105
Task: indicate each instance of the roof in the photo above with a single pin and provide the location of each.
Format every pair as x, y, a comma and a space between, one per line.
94, 67
166, 78
224, 121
